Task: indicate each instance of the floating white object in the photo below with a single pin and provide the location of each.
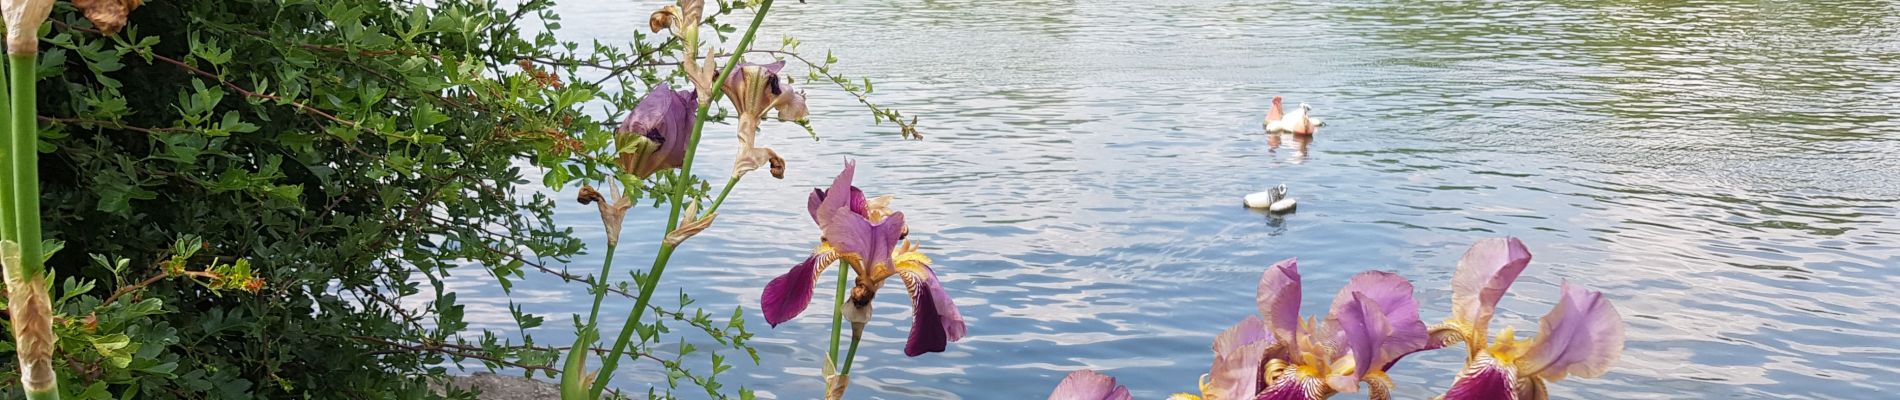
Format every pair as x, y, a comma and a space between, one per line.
1283, 205
1298, 122
1273, 200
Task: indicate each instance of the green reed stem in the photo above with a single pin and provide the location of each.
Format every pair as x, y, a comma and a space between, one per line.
612, 359
837, 312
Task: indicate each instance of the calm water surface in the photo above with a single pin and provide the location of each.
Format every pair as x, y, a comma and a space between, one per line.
1727, 172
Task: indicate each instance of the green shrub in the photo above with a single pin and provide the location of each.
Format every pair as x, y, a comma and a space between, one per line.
246, 189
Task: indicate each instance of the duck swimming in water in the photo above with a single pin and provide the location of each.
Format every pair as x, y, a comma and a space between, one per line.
1274, 200
1298, 122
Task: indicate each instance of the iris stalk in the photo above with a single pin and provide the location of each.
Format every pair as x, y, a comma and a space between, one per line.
837, 314
24, 265
612, 359
573, 369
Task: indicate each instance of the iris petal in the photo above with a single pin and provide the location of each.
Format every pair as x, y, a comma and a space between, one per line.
1364, 331
1393, 296
1291, 389
1582, 336
1483, 381
1247, 331
1484, 273
668, 113
787, 295
1279, 300
936, 321
828, 207
1089, 385
857, 203
867, 245
1236, 374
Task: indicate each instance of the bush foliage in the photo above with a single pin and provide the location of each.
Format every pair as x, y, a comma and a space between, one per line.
254, 195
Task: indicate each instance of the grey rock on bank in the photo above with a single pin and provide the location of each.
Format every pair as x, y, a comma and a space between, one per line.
506, 387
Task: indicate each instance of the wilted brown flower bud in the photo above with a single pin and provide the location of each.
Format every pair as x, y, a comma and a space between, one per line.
663, 18
778, 165
589, 195
108, 15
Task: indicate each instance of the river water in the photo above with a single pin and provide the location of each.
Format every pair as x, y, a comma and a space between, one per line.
1727, 172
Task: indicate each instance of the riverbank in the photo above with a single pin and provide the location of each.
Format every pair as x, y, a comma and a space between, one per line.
505, 387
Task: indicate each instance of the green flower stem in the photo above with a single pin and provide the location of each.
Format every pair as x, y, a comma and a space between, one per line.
24, 199
837, 312
8, 230
600, 284
853, 353
574, 369
26, 160
722, 196
612, 359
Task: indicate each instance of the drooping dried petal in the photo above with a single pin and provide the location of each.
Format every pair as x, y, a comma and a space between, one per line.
32, 320
751, 158
23, 19
687, 229
791, 107
878, 208
835, 385
612, 215
1089, 385
1582, 336
1484, 273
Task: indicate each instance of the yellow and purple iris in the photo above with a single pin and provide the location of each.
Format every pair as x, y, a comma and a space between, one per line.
1582, 335
870, 238
654, 136
1372, 323
1089, 385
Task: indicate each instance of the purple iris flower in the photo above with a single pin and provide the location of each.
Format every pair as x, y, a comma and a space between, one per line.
869, 238
654, 136
1089, 385
1582, 335
1372, 323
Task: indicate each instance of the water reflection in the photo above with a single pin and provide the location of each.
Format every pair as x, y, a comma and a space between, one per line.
1721, 169
1300, 144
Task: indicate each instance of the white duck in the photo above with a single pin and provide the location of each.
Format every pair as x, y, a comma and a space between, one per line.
1298, 122
1274, 200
